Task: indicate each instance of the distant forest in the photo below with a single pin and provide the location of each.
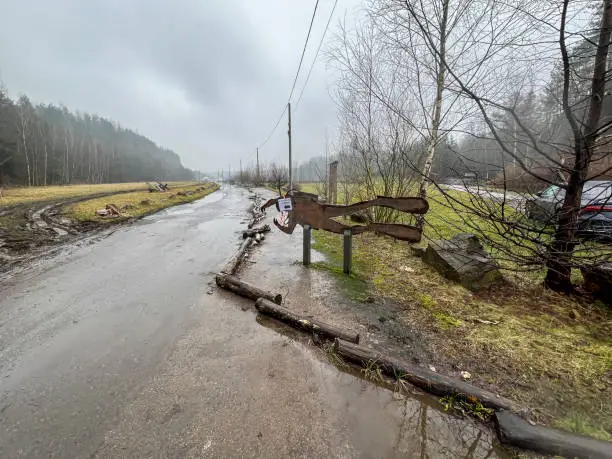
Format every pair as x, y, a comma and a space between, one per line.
50, 145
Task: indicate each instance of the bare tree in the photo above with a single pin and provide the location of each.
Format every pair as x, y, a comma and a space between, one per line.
472, 73
375, 139
278, 176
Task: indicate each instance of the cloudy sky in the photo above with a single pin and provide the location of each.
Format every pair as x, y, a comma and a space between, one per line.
207, 78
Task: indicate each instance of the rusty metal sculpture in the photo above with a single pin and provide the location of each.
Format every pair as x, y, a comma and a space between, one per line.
307, 210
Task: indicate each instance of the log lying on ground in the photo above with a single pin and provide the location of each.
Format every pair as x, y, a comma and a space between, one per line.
513, 430
421, 377
256, 219
255, 231
315, 326
232, 264
246, 290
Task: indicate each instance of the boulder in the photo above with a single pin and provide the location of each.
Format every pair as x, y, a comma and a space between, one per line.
463, 260
598, 281
361, 216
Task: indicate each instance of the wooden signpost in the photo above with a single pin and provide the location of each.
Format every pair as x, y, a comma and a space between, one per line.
306, 210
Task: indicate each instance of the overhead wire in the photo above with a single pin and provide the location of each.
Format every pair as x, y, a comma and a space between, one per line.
296, 76
303, 50
297, 104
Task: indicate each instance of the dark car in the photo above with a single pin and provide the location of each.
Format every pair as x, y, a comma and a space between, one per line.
595, 208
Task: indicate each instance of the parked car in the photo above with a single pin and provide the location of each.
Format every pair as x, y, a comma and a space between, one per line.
595, 219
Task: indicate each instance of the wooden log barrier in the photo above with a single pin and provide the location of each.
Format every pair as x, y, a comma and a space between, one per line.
421, 377
232, 264
513, 430
314, 326
254, 231
246, 290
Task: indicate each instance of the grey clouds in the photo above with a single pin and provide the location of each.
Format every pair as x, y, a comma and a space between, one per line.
207, 79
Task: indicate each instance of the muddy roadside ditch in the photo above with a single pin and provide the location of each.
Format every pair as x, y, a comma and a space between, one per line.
390, 346
38, 229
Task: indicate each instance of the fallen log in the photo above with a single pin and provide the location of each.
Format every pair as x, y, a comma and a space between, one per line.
259, 237
232, 264
421, 377
513, 430
246, 290
255, 221
315, 326
254, 231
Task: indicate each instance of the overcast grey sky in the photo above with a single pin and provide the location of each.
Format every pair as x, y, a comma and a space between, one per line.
206, 78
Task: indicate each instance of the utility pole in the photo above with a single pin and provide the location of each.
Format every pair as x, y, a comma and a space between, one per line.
326, 188
240, 177
289, 134
258, 165
229, 175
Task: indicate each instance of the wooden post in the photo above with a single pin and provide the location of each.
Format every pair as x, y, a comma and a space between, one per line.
348, 250
257, 179
332, 186
307, 240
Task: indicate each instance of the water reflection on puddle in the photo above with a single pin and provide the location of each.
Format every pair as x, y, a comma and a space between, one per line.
383, 423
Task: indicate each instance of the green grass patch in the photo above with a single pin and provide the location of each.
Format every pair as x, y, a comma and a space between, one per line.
136, 204
577, 422
536, 345
464, 406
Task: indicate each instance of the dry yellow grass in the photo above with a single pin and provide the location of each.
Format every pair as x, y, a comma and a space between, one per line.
136, 204
27, 195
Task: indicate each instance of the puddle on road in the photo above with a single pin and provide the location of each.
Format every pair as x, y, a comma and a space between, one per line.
179, 211
376, 418
379, 418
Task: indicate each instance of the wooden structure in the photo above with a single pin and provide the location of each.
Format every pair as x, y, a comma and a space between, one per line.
324, 329
332, 185
307, 211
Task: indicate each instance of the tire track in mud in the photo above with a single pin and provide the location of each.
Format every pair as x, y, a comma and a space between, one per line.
40, 229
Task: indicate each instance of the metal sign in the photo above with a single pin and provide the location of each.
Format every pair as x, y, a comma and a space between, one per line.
284, 204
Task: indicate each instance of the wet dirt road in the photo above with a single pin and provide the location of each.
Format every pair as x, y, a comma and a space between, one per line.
115, 349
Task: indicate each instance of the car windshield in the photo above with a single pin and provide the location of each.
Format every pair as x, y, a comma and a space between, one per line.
597, 192
550, 192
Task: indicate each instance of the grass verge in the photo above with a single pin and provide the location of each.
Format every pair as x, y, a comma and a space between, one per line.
548, 351
136, 204
28, 195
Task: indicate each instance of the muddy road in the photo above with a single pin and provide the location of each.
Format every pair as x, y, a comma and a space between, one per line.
117, 349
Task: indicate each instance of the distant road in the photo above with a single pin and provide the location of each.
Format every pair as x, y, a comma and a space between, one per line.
510, 198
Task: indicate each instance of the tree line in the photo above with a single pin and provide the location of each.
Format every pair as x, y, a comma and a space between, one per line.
50, 145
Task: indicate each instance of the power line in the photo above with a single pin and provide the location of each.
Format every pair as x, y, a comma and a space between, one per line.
304, 50
274, 128
296, 77
297, 104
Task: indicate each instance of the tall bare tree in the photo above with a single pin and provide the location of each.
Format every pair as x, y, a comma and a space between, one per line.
475, 72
